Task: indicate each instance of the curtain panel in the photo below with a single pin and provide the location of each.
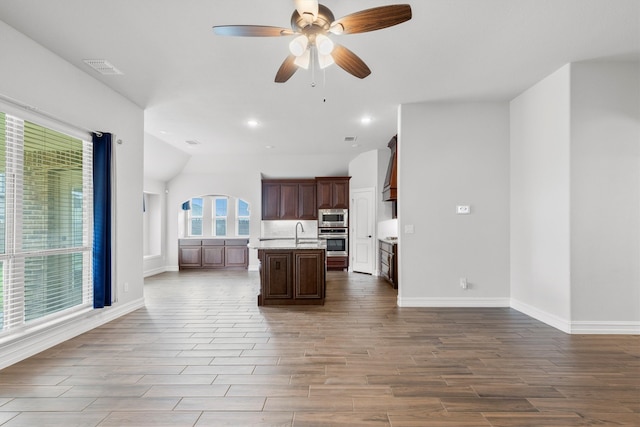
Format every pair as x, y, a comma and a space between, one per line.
102, 158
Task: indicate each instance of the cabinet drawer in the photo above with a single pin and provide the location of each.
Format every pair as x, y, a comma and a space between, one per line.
387, 247
189, 242
212, 242
236, 242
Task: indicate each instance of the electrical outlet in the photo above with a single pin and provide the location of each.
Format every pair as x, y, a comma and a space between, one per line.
463, 283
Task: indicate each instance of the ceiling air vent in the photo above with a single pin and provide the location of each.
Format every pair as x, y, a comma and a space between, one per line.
193, 142
350, 139
102, 66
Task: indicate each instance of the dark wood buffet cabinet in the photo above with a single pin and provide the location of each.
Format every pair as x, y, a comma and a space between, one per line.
291, 276
388, 264
213, 253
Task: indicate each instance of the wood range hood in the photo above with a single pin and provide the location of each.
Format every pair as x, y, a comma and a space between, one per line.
390, 189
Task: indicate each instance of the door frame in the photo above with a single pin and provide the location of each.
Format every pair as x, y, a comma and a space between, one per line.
374, 231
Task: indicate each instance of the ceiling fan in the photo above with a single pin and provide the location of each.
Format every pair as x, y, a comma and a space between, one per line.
312, 23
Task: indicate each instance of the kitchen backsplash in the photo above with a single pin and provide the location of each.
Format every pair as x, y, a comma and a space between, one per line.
286, 229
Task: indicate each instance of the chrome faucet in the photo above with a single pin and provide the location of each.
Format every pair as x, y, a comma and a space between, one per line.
301, 227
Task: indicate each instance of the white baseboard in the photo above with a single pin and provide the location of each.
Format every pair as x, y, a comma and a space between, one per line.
33, 343
605, 327
154, 271
171, 268
591, 327
550, 319
254, 267
453, 302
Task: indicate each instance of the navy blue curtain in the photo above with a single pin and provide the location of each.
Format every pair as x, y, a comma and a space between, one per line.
101, 219
186, 206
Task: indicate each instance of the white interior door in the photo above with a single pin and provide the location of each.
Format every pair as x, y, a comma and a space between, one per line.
362, 230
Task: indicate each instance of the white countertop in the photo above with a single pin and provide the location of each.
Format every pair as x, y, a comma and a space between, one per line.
289, 244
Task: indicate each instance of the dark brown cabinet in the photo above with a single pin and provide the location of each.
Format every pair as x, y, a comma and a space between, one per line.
190, 253
388, 262
236, 253
333, 192
213, 253
289, 199
270, 200
276, 272
307, 208
291, 276
337, 262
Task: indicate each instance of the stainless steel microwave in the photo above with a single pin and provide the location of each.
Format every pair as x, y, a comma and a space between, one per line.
333, 218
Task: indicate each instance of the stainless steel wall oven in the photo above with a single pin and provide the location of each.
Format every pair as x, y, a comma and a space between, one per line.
337, 240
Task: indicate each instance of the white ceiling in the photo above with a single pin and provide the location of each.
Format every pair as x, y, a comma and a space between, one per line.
195, 85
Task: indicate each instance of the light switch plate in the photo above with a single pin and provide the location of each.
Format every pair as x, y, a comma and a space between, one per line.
463, 209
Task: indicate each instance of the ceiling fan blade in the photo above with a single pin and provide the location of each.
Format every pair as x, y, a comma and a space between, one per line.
350, 62
251, 31
372, 19
286, 70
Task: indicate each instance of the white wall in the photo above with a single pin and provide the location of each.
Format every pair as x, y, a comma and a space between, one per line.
540, 233
156, 263
451, 154
605, 194
37, 77
575, 199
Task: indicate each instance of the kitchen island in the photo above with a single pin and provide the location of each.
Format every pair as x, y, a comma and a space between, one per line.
290, 273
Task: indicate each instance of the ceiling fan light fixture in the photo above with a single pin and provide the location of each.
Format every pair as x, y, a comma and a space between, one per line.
324, 44
325, 60
298, 46
303, 60
308, 10
336, 28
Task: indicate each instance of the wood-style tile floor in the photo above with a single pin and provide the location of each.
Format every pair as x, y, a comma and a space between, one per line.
203, 354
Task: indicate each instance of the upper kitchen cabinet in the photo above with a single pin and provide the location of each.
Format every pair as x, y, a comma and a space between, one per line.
289, 199
390, 190
333, 192
307, 208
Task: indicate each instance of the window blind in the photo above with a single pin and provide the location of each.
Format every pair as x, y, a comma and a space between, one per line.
46, 261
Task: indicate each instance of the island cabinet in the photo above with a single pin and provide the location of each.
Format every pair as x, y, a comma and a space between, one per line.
291, 276
213, 253
333, 192
289, 199
388, 262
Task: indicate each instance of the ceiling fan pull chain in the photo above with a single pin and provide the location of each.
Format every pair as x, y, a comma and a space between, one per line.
324, 85
313, 66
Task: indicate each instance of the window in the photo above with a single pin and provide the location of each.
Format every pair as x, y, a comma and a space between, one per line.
195, 216
46, 208
242, 218
220, 216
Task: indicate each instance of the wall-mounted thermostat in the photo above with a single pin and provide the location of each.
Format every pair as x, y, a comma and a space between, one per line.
463, 209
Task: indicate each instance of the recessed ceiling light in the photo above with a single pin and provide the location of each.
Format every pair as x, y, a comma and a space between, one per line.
269, 147
365, 120
252, 123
